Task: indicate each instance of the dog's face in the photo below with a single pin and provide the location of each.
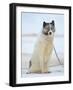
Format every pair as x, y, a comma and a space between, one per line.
48, 28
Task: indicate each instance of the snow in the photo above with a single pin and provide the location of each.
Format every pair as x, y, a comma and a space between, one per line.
53, 71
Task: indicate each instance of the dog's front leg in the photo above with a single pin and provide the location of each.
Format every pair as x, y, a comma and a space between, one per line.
42, 64
42, 67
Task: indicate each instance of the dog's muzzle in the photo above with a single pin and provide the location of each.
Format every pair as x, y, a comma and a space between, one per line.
50, 33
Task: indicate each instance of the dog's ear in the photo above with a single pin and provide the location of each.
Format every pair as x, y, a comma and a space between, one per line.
53, 23
44, 23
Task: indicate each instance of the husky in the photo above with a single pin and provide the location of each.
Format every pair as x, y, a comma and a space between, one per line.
43, 49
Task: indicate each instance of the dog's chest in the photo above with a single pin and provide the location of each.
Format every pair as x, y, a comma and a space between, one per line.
45, 45
45, 41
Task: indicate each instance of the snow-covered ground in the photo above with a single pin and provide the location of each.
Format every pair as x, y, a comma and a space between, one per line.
55, 68
53, 71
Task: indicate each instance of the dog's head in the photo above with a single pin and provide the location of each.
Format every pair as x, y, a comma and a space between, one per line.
48, 28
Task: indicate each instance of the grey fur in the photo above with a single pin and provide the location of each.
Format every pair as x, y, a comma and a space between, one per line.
48, 27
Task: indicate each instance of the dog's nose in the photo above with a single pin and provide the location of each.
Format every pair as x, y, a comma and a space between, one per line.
50, 33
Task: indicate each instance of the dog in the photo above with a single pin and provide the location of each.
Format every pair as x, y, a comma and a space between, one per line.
43, 49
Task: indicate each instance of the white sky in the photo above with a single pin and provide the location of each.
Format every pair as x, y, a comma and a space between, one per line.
32, 22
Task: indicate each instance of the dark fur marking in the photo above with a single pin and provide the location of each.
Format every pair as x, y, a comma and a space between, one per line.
30, 63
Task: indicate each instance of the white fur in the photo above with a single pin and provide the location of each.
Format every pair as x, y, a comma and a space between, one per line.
42, 52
